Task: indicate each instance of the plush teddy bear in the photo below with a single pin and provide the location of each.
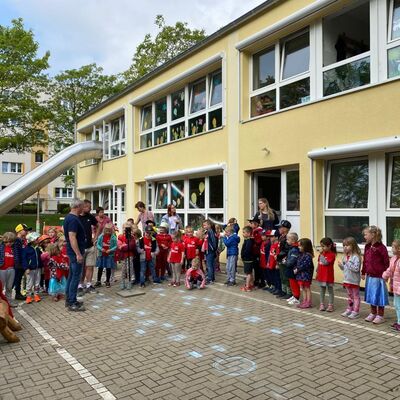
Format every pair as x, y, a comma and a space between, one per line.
8, 324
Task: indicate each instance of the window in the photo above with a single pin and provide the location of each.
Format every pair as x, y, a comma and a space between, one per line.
39, 157
292, 191
346, 49
347, 202
393, 52
291, 86
117, 139
63, 193
195, 198
171, 118
11, 167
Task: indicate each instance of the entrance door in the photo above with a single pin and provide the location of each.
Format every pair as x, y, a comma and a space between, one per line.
281, 188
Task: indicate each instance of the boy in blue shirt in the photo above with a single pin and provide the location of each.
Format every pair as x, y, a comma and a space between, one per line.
231, 241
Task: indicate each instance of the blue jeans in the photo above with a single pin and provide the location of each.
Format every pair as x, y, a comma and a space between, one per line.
231, 263
210, 260
143, 267
74, 276
397, 307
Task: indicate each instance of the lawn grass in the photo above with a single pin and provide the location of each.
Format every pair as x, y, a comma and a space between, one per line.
10, 221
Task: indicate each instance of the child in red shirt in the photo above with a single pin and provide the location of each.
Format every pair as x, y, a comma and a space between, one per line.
176, 257
325, 275
58, 271
272, 262
195, 276
164, 241
7, 261
200, 242
191, 243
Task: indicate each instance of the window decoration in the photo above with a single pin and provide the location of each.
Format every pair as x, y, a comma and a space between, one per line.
178, 104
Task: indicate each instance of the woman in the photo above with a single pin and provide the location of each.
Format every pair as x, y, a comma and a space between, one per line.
172, 219
102, 219
267, 216
144, 215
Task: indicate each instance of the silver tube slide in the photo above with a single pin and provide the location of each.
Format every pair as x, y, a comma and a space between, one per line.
39, 177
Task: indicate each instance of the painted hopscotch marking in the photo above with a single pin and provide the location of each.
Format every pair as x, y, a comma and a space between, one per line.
162, 294
189, 297
299, 311
119, 302
237, 309
141, 313
177, 338
167, 325
186, 303
298, 325
147, 322
235, 366
253, 319
326, 339
71, 360
116, 317
276, 331
95, 306
123, 310
140, 331
194, 354
158, 290
217, 347
216, 314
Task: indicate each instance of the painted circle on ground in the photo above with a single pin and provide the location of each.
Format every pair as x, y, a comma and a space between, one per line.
326, 339
235, 366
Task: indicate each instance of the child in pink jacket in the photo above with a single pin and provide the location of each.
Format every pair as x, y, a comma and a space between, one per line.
195, 276
393, 272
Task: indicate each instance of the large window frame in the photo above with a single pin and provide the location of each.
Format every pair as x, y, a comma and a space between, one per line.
380, 43
180, 128
188, 209
63, 192
279, 81
10, 167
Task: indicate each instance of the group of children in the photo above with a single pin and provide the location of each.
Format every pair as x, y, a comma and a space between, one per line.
274, 260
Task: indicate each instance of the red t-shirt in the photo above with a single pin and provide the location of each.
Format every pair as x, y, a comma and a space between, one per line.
164, 241
325, 273
106, 244
191, 244
8, 258
273, 252
147, 247
256, 235
176, 251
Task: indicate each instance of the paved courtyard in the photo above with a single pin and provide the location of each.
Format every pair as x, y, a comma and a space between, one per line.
217, 343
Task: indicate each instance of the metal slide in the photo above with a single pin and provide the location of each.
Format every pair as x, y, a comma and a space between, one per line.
34, 180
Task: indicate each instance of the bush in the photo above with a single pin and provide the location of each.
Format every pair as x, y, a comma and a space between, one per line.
62, 208
28, 208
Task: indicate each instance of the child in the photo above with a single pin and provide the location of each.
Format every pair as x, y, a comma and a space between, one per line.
191, 243
127, 254
106, 246
32, 264
247, 258
351, 267
200, 235
304, 271
393, 272
176, 257
148, 249
291, 262
272, 262
195, 276
231, 241
164, 241
233, 223
52, 234
256, 235
325, 275
210, 247
58, 272
220, 247
284, 228
43, 242
376, 261
8, 256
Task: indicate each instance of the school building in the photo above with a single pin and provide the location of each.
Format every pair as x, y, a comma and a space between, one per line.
297, 101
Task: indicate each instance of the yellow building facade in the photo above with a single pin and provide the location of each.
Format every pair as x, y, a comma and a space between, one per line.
297, 101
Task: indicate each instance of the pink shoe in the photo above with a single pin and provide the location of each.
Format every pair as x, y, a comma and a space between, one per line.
304, 304
378, 320
322, 307
329, 308
370, 317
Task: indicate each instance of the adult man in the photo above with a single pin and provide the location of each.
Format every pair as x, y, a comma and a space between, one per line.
89, 222
76, 242
21, 230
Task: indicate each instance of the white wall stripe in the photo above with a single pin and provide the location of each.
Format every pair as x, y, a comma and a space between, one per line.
70, 359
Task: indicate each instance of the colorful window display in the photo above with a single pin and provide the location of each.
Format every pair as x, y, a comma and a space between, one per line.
177, 131
178, 104
197, 125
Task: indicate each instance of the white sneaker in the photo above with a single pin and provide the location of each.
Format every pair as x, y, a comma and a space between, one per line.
294, 301
354, 315
346, 313
290, 299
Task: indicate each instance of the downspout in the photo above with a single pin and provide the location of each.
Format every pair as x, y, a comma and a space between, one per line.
312, 199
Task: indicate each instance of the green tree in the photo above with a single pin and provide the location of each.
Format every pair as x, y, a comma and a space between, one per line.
73, 93
22, 85
168, 43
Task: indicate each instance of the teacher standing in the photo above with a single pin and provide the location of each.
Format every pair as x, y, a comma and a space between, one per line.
267, 216
173, 220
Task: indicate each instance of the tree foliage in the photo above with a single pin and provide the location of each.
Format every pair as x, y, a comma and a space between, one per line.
22, 85
73, 93
168, 43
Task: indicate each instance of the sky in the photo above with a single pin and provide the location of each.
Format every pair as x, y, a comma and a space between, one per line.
106, 32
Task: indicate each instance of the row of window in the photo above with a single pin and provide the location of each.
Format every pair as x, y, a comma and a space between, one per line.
195, 108
63, 193
342, 45
354, 199
11, 167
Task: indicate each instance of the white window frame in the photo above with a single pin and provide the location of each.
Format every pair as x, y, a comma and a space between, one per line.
119, 143
391, 156
186, 210
10, 164
187, 116
96, 134
279, 64
64, 192
390, 43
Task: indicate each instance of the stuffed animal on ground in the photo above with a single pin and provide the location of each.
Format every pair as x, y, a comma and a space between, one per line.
8, 324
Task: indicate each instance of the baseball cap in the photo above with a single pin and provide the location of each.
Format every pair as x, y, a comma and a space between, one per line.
285, 223
255, 219
31, 237
22, 227
149, 229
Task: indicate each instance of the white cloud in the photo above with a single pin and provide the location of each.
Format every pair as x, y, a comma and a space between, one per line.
107, 32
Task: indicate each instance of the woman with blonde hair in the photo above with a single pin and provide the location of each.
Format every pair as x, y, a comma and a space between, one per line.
267, 216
